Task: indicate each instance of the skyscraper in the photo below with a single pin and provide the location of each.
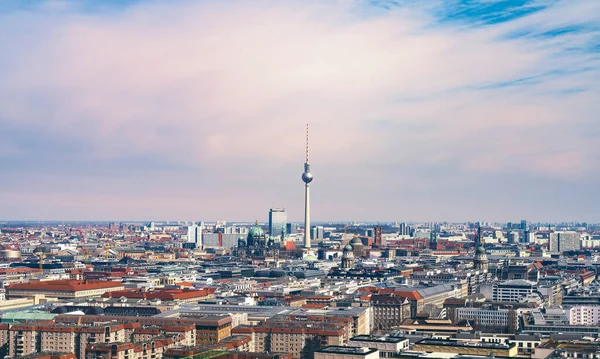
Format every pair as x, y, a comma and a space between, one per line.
195, 234
277, 222
307, 178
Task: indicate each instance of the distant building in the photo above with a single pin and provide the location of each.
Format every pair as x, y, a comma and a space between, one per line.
277, 222
564, 241
317, 232
195, 234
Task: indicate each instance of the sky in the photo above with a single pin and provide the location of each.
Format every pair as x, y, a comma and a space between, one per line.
437, 110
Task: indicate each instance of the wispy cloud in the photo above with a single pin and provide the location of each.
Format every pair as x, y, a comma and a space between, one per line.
216, 93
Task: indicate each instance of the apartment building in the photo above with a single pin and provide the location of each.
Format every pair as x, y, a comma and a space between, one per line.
152, 349
584, 315
300, 339
25, 339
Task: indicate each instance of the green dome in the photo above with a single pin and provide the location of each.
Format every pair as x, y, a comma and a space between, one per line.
256, 232
480, 250
348, 248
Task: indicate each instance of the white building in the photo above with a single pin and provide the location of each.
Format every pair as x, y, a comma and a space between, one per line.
495, 318
584, 315
513, 290
195, 234
388, 346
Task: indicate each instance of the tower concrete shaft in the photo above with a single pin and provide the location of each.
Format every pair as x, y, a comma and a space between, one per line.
307, 216
307, 177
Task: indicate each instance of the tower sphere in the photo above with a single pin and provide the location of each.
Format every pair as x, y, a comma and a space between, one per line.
307, 177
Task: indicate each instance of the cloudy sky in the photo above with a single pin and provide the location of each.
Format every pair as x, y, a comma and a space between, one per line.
196, 110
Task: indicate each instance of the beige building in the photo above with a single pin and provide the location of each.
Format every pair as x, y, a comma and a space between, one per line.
292, 337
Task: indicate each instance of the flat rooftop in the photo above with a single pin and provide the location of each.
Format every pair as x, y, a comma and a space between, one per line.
378, 339
454, 343
346, 350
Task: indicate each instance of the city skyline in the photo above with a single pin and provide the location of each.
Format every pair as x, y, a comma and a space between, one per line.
428, 112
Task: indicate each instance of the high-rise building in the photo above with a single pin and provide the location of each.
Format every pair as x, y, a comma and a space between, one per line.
291, 228
195, 234
317, 232
433, 242
528, 237
404, 229
307, 178
277, 222
564, 241
523, 225
513, 237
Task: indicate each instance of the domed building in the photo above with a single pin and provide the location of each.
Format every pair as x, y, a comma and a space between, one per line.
256, 237
348, 257
480, 261
358, 247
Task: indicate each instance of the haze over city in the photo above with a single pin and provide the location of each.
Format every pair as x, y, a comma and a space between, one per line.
196, 110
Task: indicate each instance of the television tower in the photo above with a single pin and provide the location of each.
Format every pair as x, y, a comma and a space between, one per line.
307, 178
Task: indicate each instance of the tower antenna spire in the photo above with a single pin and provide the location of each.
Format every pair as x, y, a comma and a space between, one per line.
307, 143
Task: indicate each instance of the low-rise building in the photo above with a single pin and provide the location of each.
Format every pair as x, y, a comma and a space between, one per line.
388, 346
466, 348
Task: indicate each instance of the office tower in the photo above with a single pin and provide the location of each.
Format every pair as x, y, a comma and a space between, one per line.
528, 237
307, 178
433, 242
404, 230
564, 241
195, 234
317, 232
523, 225
291, 228
513, 237
277, 222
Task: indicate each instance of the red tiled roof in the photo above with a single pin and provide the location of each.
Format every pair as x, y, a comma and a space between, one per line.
64, 285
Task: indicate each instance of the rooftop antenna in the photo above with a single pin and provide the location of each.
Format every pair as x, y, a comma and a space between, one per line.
307, 143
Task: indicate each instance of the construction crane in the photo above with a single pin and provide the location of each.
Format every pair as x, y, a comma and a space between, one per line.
42, 255
344, 237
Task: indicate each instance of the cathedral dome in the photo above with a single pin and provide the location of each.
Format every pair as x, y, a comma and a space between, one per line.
348, 248
480, 250
256, 232
356, 240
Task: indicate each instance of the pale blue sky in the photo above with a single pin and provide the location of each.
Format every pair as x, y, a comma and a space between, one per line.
195, 110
